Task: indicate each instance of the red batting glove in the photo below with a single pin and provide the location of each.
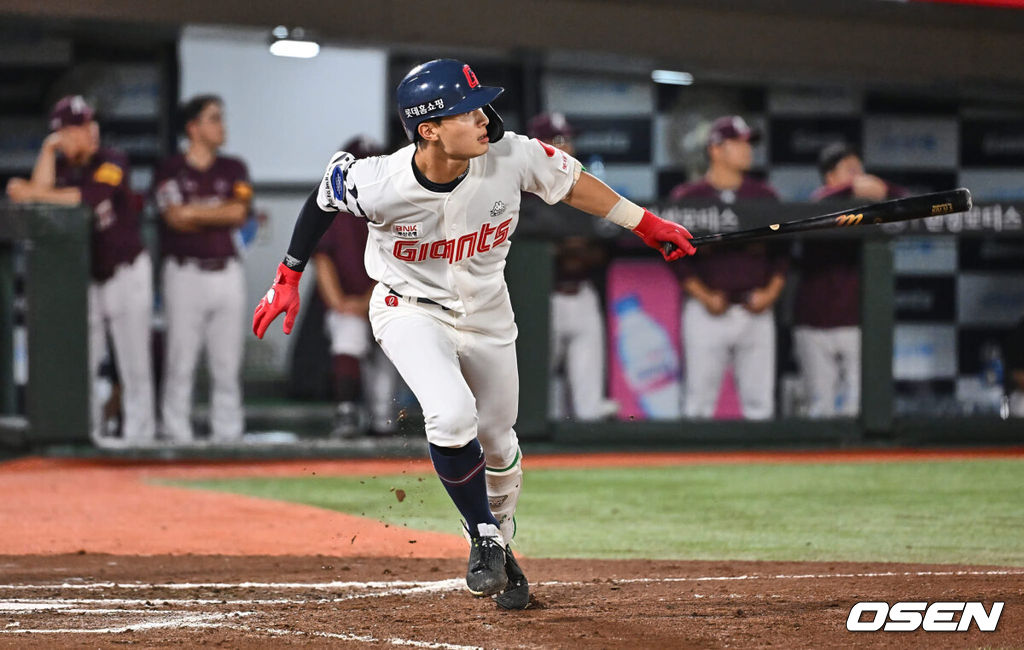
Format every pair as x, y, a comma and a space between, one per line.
283, 296
656, 232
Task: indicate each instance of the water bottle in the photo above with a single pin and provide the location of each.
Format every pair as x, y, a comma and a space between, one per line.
991, 365
648, 359
992, 375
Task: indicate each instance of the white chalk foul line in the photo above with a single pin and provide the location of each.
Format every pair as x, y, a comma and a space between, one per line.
422, 588
360, 638
394, 584
826, 576
181, 620
397, 587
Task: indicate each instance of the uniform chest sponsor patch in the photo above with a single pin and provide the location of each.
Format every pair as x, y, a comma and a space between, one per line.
407, 230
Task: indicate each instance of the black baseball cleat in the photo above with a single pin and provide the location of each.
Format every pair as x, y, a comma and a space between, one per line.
486, 574
517, 592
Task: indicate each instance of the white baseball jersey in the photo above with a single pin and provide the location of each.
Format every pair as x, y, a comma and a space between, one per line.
449, 247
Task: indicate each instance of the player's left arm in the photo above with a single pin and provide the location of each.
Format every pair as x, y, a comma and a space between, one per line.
592, 196
21, 191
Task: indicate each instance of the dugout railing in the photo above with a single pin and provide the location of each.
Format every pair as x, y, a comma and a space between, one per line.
530, 270
52, 245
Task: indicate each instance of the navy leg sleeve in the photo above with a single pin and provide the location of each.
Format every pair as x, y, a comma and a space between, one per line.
461, 471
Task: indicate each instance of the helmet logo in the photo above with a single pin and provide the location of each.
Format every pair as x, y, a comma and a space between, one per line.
470, 76
391, 301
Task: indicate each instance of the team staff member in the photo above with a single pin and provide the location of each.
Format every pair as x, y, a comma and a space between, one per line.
365, 381
1013, 356
826, 316
730, 317
72, 169
577, 326
440, 214
202, 196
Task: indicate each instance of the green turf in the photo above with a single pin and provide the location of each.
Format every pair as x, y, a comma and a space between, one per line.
948, 512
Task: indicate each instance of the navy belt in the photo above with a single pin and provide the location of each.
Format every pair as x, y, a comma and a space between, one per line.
425, 301
204, 264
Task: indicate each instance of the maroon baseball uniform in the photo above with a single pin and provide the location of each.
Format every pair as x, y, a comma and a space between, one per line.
829, 291
344, 243
177, 183
733, 269
103, 181
737, 337
204, 294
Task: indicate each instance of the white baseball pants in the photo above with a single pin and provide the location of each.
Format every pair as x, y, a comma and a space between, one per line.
829, 361
204, 309
578, 342
124, 304
462, 369
711, 343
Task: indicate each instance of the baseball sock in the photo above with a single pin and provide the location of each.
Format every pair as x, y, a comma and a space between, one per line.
347, 378
461, 471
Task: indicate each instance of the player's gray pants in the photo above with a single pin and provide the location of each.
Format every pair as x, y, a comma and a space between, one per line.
350, 335
204, 309
829, 360
124, 304
738, 336
578, 342
1017, 404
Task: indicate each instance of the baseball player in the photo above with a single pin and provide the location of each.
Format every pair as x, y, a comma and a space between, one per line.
730, 317
440, 213
826, 314
202, 196
362, 372
1013, 356
72, 169
577, 325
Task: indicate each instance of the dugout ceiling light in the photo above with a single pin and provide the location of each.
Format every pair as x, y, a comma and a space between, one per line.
672, 77
294, 43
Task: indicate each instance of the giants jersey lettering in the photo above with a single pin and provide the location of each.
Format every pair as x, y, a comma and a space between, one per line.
449, 247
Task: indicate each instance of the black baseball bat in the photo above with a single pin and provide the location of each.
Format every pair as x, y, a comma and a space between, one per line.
911, 207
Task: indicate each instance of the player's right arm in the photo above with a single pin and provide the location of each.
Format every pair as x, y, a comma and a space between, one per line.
554, 176
315, 217
41, 185
590, 195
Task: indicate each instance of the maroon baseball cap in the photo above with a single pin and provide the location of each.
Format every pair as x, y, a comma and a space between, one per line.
732, 127
363, 146
549, 125
70, 111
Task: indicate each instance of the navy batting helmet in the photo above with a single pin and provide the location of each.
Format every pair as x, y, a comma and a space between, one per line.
444, 87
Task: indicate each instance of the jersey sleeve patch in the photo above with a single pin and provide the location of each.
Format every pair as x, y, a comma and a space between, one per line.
109, 174
338, 191
242, 191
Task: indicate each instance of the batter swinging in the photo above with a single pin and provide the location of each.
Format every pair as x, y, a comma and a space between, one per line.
440, 214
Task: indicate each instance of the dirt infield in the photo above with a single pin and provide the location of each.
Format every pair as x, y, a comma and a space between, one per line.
235, 602
93, 554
